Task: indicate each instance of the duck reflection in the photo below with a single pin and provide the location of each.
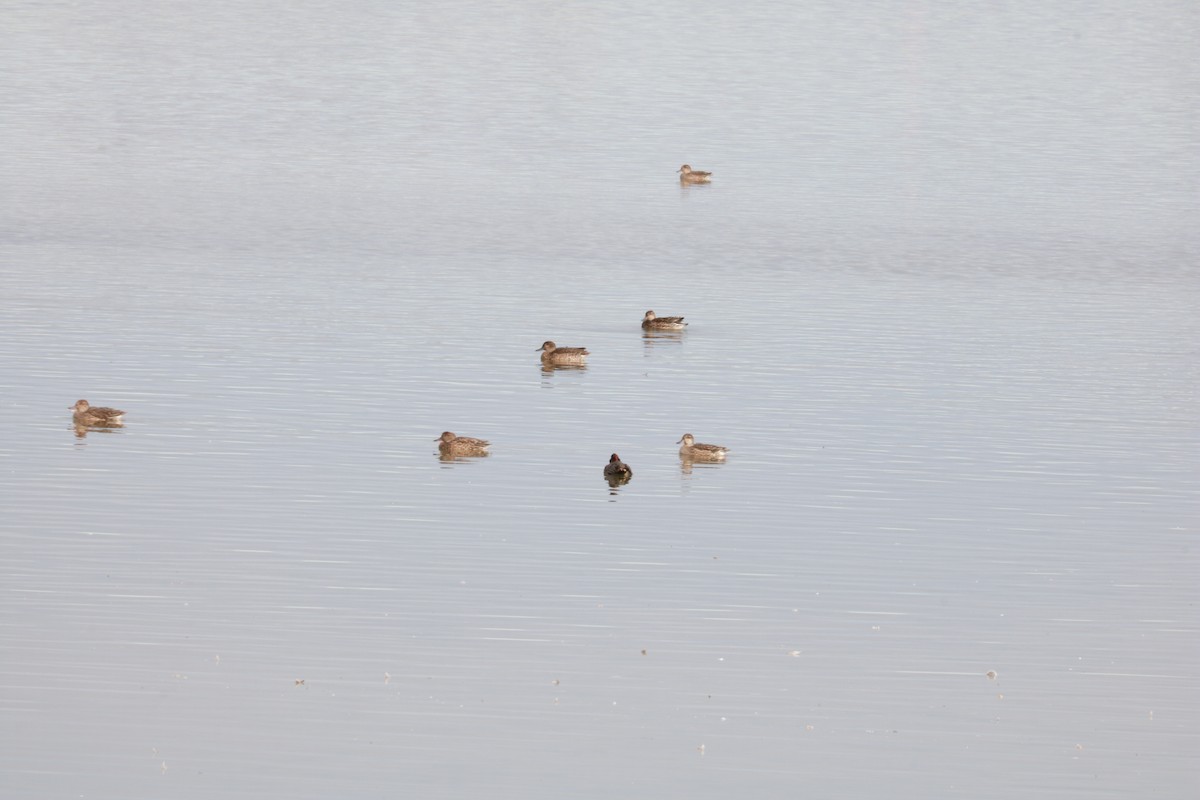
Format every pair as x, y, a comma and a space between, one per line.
81, 431
551, 368
688, 464
656, 336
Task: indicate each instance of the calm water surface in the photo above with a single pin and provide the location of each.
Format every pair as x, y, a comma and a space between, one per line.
943, 300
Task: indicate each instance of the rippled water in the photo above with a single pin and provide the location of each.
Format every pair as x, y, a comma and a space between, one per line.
943, 301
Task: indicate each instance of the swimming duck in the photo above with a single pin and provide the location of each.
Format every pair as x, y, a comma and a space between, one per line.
86, 415
651, 321
617, 470
452, 445
553, 354
700, 452
688, 175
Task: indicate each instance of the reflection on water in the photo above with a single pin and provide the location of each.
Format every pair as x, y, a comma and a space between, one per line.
615, 483
618, 480
81, 431
550, 369
450, 456
651, 337
686, 464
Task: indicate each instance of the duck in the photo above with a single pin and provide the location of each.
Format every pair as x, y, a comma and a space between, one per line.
553, 354
85, 414
700, 452
688, 175
451, 445
653, 322
617, 470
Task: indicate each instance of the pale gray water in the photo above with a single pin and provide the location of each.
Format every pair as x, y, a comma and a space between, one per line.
943, 294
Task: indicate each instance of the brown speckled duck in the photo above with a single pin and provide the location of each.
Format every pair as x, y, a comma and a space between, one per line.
553, 354
85, 414
451, 445
689, 175
701, 452
654, 322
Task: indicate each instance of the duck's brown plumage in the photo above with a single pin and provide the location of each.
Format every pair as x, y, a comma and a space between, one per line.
552, 353
693, 449
652, 320
448, 442
689, 175
85, 414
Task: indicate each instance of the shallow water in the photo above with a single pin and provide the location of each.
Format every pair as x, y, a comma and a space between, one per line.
943, 303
